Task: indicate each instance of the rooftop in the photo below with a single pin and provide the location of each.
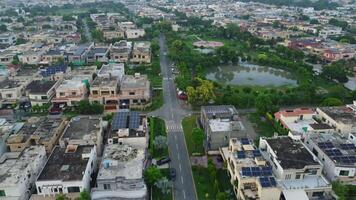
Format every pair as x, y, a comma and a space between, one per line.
66, 166
122, 161
82, 128
113, 69
105, 82
291, 154
8, 84
13, 164
134, 82
40, 87
342, 114
309, 181
222, 111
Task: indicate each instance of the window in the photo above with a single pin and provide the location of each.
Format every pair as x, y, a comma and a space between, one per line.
61, 94
288, 176
318, 194
8, 95
107, 187
74, 93
55, 190
44, 97
131, 93
39, 189
297, 176
344, 173
73, 189
2, 193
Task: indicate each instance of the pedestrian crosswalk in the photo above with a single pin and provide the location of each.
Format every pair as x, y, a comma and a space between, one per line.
171, 126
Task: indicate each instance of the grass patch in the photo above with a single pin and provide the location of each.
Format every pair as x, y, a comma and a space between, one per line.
189, 123
157, 193
204, 187
157, 128
262, 128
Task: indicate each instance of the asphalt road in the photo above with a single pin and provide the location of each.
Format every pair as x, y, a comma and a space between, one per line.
173, 113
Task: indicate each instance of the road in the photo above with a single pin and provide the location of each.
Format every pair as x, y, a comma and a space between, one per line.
87, 31
173, 113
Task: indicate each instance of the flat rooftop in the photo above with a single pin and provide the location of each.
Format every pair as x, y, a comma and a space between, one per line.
65, 166
40, 86
112, 69
8, 84
124, 161
308, 182
337, 148
222, 111
291, 154
342, 114
82, 127
13, 164
135, 82
105, 82
43, 127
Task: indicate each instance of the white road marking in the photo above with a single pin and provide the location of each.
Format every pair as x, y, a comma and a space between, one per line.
180, 167
184, 194
178, 157
181, 178
175, 136
177, 147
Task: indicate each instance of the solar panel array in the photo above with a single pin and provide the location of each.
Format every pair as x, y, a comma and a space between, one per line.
256, 153
256, 171
241, 154
268, 182
48, 71
244, 141
325, 145
333, 152
345, 159
348, 146
126, 119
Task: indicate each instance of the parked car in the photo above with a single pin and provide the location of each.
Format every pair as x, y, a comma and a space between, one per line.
172, 174
163, 161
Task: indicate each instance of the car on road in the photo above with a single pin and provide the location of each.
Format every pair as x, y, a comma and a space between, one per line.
172, 174
163, 161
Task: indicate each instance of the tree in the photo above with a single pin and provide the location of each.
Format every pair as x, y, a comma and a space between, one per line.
164, 185
335, 71
84, 195
222, 196
152, 175
198, 138
263, 104
331, 101
61, 197
86, 108
3, 28
160, 142
68, 17
202, 93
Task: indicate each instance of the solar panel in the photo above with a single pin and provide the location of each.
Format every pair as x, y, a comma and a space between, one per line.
267, 181
126, 119
273, 181
348, 146
325, 145
245, 141
241, 154
333, 152
256, 153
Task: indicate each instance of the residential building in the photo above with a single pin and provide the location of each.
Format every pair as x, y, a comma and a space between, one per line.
70, 92
99, 54
6, 57
7, 39
54, 70
37, 131
296, 169
299, 121
18, 172
121, 174
141, 53
129, 127
68, 171
121, 51
41, 92
112, 70
337, 154
220, 124
31, 57
104, 90
85, 74
11, 91
110, 34
135, 91
52, 56
249, 173
84, 130
134, 33
341, 118
78, 54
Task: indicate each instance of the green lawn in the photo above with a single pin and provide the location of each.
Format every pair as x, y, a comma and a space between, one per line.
157, 100
189, 123
157, 127
204, 186
156, 192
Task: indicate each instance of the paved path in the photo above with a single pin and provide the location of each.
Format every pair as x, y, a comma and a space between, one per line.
173, 113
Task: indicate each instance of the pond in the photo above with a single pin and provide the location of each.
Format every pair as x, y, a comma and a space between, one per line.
250, 74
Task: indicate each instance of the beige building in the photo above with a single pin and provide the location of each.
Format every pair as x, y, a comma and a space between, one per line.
104, 90
342, 118
135, 91
37, 131
121, 51
11, 90
134, 33
41, 92
250, 175
70, 92
113, 34
141, 53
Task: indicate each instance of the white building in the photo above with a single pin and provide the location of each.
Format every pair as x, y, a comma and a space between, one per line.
68, 171
298, 172
121, 174
134, 33
112, 70
18, 172
7, 39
